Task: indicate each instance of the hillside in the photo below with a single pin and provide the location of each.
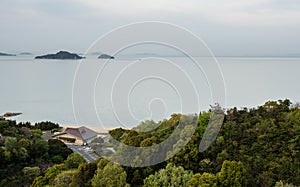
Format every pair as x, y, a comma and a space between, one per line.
254, 147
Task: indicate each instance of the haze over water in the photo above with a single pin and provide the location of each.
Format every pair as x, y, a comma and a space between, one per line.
42, 89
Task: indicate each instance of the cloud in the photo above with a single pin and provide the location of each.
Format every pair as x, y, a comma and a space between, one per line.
53, 22
244, 13
132, 7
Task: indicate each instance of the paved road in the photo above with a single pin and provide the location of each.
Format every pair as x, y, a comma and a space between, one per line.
84, 151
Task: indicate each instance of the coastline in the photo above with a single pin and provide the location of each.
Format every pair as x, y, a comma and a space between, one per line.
96, 129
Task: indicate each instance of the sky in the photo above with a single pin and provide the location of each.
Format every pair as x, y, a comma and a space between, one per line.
229, 27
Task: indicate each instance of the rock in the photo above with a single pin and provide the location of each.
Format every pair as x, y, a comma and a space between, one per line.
61, 55
105, 56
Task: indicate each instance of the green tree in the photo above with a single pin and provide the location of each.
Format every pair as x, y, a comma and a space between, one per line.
84, 175
26, 143
37, 132
282, 184
232, 174
39, 147
74, 160
170, 176
204, 180
58, 148
110, 176
49, 176
29, 174
147, 126
4, 124
64, 178
14, 152
117, 134
46, 126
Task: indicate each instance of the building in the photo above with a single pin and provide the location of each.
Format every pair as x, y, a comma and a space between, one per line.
77, 136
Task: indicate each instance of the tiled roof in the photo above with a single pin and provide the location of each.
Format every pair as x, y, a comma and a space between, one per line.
83, 133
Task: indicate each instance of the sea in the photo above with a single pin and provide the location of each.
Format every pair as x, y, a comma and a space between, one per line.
123, 92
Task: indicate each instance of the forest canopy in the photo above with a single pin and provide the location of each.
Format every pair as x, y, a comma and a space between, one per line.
254, 147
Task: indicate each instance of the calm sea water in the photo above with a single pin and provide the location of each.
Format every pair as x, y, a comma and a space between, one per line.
125, 92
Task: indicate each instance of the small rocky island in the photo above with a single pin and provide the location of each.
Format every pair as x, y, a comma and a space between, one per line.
105, 56
10, 114
61, 55
5, 54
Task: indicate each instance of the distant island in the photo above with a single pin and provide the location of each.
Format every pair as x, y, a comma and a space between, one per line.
26, 54
61, 55
6, 54
105, 56
95, 53
10, 114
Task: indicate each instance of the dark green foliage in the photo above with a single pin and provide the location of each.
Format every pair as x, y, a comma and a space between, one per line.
232, 174
9, 128
110, 176
255, 147
145, 139
84, 174
49, 176
189, 157
136, 176
46, 126
64, 178
117, 133
265, 139
58, 149
39, 148
4, 124
25, 155
30, 173
73, 161
13, 151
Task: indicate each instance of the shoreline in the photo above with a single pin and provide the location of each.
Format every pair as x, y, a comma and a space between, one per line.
96, 129
99, 129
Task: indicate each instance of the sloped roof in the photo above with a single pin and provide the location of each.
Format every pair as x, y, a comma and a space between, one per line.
83, 133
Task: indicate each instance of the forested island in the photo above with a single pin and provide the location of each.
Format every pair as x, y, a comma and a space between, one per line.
255, 147
61, 55
6, 54
105, 56
25, 54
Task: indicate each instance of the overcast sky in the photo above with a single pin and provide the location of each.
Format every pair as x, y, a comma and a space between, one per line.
229, 27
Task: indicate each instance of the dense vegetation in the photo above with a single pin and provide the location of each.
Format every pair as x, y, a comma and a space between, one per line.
255, 147
24, 154
264, 142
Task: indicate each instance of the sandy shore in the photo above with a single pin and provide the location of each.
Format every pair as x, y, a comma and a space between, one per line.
96, 129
